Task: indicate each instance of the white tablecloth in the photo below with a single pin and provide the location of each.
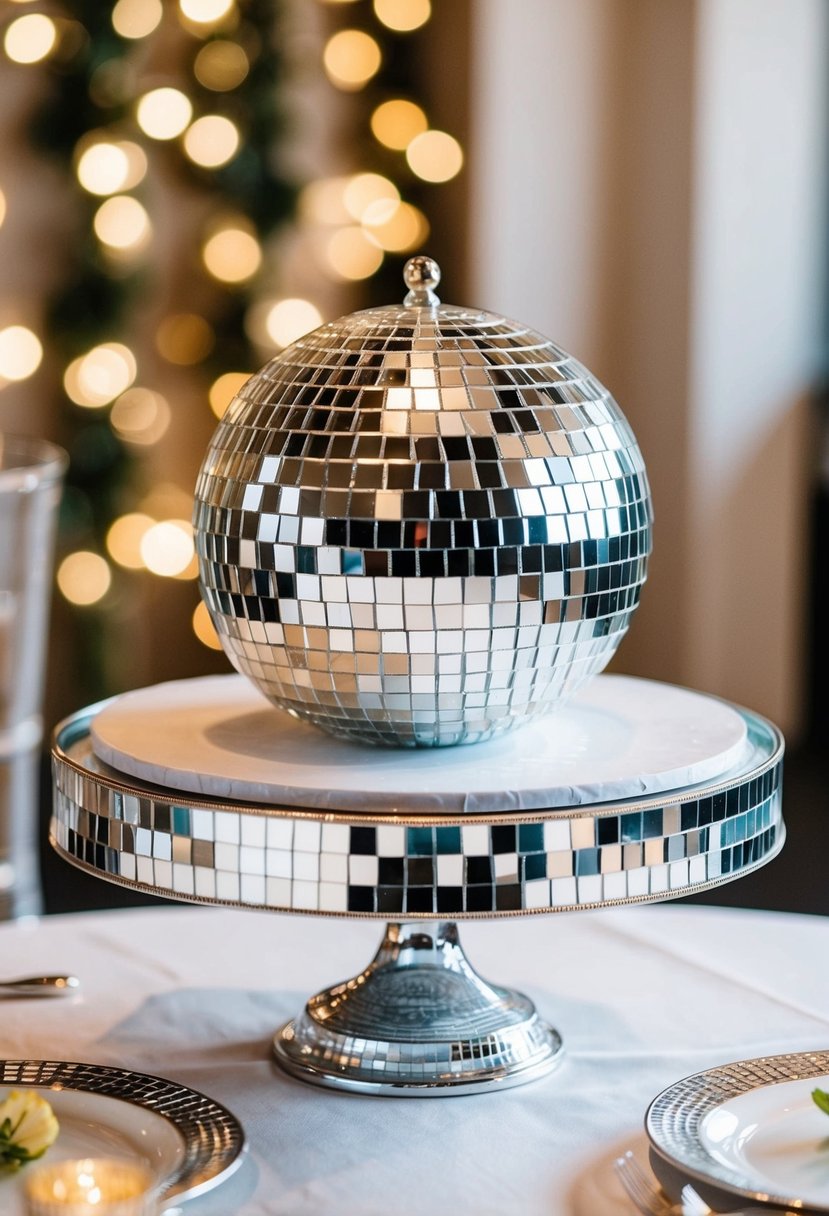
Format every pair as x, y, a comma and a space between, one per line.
641, 996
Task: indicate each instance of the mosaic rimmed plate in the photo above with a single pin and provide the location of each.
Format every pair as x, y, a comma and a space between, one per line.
189, 1142
750, 1128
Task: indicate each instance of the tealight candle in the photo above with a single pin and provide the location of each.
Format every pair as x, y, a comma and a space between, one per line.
91, 1187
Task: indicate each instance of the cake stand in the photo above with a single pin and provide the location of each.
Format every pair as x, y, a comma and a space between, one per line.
634, 792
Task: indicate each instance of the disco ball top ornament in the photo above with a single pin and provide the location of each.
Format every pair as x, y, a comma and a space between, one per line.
422, 525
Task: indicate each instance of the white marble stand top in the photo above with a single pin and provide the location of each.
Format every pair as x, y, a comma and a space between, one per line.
617, 738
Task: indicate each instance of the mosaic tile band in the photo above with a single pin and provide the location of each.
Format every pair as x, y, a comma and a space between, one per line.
420, 867
422, 525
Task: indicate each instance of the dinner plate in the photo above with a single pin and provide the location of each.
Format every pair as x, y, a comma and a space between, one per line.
188, 1142
750, 1128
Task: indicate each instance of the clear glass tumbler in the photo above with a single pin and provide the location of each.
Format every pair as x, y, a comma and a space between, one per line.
31, 475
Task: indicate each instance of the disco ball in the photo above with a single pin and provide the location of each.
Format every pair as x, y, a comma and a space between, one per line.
422, 525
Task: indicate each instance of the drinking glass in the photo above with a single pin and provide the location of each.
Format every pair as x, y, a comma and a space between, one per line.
31, 473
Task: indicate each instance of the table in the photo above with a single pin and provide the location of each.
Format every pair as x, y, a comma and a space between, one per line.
642, 997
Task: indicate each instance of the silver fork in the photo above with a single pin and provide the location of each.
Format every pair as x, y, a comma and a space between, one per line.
651, 1202
640, 1190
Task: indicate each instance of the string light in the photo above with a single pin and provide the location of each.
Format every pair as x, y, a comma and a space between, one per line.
224, 389
30, 38
184, 338
106, 168
140, 416
396, 229
221, 65
403, 15
20, 353
350, 59
136, 18
351, 255
123, 540
232, 255
167, 548
122, 223
212, 141
84, 577
290, 319
164, 113
322, 201
365, 190
205, 12
204, 628
101, 375
395, 123
435, 156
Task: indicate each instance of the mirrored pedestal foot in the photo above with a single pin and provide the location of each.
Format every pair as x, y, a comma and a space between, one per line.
419, 1022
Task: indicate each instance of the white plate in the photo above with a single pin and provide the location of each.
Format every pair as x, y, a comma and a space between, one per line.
188, 1142
777, 1137
751, 1128
618, 737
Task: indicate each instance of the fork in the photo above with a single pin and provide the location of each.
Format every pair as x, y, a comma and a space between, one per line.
640, 1190
651, 1202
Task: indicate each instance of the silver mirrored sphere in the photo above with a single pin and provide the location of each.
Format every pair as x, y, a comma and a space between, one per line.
422, 525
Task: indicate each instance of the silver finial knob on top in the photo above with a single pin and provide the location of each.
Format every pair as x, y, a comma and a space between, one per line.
421, 275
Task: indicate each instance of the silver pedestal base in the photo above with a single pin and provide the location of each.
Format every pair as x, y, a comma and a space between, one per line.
418, 1022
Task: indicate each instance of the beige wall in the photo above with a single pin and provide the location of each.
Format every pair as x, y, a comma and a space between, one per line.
648, 186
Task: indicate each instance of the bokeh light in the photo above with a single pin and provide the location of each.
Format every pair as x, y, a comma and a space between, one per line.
351, 58
435, 156
122, 223
221, 65
232, 255
205, 12
398, 228
167, 548
140, 416
30, 38
351, 255
136, 18
101, 375
164, 113
204, 628
103, 169
111, 84
290, 319
2, 207
212, 141
395, 123
184, 338
84, 577
124, 539
20, 352
106, 167
224, 389
365, 189
403, 15
322, 201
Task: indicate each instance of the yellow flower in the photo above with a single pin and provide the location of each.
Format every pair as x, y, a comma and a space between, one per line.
27, 1127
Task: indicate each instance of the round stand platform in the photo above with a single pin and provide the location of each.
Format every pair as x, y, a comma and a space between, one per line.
419, 1020
462, 1034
